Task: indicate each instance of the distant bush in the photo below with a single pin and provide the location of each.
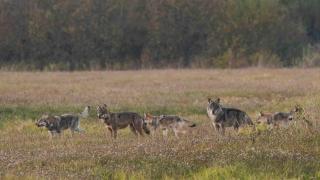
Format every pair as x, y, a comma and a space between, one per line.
311, 56
133, 34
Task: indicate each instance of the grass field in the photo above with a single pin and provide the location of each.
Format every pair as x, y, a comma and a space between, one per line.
27, 152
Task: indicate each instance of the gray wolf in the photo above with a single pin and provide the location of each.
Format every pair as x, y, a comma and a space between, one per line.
278, 119
223, 117
115, 121
56, 124
166, 122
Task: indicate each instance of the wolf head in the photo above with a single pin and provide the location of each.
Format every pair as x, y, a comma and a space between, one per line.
297, 109
151, 120
214, 105
264, 118
291, 114
148, 118
102, 111
43, 121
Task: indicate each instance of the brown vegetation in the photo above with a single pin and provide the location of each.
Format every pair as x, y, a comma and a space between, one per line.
26, 150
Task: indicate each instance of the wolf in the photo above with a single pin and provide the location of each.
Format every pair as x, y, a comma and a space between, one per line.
278, 119
263, 117
222, 117
115, 121
166, 122
56, 124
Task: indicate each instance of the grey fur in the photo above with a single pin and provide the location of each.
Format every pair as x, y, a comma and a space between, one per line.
166, 122
85, 112
115, 121
278, 118
222, 117
56, 124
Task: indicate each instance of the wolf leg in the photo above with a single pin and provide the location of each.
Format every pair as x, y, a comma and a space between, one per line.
165, 132
51, 133
216, 127
115, 133
176, 132
140, 131
110, 130
236, 128
54, 133
223, 129
76, 127
213, 125
133, 129
79, 130
59, 132
183, 132
139, 127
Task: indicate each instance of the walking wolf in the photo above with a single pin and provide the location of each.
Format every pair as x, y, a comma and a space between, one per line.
223, 117
165, 122
56, 124
115, 121
284, 119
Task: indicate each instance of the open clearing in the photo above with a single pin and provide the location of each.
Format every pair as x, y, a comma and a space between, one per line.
27, 152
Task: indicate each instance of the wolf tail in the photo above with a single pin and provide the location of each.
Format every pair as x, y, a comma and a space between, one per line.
189, 122
85, 112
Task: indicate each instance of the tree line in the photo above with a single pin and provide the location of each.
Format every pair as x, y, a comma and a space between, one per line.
134, 34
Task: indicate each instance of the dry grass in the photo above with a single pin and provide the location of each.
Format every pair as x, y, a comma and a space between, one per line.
285, 153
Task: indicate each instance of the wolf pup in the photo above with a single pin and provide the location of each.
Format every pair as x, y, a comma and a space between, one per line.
222, 117
166, 122
56, 124
115, 121
279, 118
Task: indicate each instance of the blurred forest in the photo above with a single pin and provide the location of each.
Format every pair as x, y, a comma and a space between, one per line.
136, 34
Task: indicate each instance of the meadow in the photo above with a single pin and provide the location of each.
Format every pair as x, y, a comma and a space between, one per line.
26, 152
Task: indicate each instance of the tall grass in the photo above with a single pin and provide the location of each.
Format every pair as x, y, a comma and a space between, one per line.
26, 151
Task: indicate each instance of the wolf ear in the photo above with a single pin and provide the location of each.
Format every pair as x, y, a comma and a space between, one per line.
45, 116
297, 108
261, 113
105, 105
147, 117
218, 100
209, 100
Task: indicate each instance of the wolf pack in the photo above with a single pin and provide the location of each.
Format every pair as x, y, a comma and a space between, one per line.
221, 117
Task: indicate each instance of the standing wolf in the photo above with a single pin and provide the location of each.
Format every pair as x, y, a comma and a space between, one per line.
278, 119
56, 124
165, 122
222, 117
115, 121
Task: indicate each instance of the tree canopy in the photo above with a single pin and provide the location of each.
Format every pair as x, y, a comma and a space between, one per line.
134, 34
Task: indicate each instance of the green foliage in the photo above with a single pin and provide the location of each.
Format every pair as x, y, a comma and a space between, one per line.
99, 34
